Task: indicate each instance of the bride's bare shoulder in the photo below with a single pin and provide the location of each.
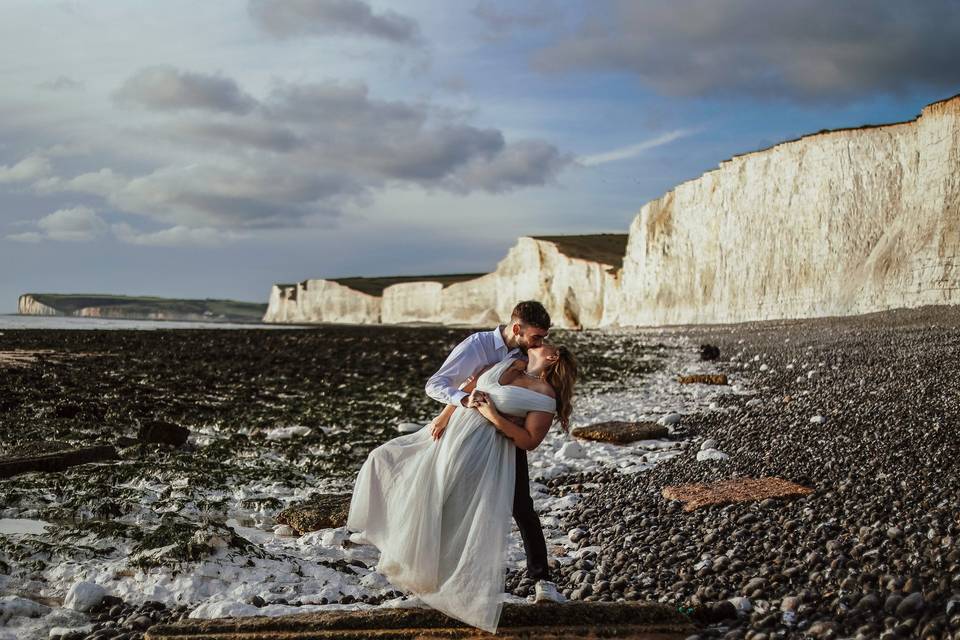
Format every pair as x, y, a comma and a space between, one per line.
544, 387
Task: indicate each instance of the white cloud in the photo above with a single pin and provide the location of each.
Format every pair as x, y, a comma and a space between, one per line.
178, 236
79, 224
29, 236
624, 153
30, 168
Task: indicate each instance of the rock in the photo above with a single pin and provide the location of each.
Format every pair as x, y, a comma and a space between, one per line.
334, 537
696, 496
162, 432
711, 454
288, 433
323, 511
709, 443
753, 402
669, 419
742, 604
15, 606
409, 427
818, 420
621, 432
709, 352
284, 530
571, 451
911, 605
576, 535
84, 596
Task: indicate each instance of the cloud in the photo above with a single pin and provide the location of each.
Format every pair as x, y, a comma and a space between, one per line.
166, 89
27, 237
304, 154
813, 50
521, 164
291, 18
29, 169
633, 150
178, 236
79, 224
499, 21
61, 83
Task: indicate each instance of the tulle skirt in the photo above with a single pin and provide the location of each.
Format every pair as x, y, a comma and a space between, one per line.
439, 512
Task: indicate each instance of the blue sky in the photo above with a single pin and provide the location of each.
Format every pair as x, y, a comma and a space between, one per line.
211, 149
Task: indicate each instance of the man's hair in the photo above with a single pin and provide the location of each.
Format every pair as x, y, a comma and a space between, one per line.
531, 312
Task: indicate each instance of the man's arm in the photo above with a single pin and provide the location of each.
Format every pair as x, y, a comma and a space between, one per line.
464, 361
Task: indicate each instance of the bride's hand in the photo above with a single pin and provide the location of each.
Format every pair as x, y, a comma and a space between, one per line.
487, 409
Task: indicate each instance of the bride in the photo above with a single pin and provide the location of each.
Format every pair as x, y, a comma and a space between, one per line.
439, 510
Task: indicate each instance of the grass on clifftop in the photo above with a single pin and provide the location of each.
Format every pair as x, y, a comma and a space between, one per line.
145, 305
374, 286
605, 248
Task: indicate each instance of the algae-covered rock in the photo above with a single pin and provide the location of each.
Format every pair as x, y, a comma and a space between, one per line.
324, 511
621, 432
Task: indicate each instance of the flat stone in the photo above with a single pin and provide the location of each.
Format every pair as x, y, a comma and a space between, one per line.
53, 457
642, 621
325, 511
621, 432
695, 496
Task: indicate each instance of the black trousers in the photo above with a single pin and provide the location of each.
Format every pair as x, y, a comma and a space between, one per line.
529, 522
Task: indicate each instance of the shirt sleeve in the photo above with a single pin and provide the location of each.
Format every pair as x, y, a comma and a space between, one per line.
464, 361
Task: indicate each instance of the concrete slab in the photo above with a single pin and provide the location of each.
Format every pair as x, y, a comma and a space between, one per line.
641, 621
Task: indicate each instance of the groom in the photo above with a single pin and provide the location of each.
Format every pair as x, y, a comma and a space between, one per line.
529, 325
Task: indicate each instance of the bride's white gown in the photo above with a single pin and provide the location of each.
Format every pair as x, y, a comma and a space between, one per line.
440, 511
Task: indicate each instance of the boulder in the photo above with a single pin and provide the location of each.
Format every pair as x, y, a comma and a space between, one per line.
621, 432
324, 511
163, 432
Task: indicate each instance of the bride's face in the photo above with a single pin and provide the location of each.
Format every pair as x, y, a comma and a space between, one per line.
544, 354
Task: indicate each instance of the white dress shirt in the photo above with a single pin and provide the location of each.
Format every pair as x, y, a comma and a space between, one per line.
477, 351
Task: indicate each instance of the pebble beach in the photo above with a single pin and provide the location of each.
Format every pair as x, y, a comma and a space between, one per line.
857, 409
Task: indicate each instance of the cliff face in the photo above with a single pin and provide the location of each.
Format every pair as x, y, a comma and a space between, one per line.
572, 289
321, 301
836, 223
27, 305
575, 289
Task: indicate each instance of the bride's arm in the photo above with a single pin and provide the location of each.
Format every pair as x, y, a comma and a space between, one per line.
440, 422
527, 437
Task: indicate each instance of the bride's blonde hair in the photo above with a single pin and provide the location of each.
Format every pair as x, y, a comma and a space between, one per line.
562, 376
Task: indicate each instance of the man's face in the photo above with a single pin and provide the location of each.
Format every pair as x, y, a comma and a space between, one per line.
529, 337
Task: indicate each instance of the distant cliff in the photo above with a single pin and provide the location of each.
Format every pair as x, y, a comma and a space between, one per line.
574, 276
835, 223
139, 308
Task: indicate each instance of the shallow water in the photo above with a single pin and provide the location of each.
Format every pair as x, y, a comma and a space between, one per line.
15, 526
14, 321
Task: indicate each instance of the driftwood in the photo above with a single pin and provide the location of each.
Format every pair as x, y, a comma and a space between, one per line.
62, 457
703, 378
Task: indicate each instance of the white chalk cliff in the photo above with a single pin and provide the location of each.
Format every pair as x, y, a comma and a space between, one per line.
27, 305
321, 301
835, 223
572, 288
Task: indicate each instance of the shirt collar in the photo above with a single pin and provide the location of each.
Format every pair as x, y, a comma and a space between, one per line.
498, 342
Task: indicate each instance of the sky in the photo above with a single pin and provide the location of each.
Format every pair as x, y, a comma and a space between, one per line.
211, 149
